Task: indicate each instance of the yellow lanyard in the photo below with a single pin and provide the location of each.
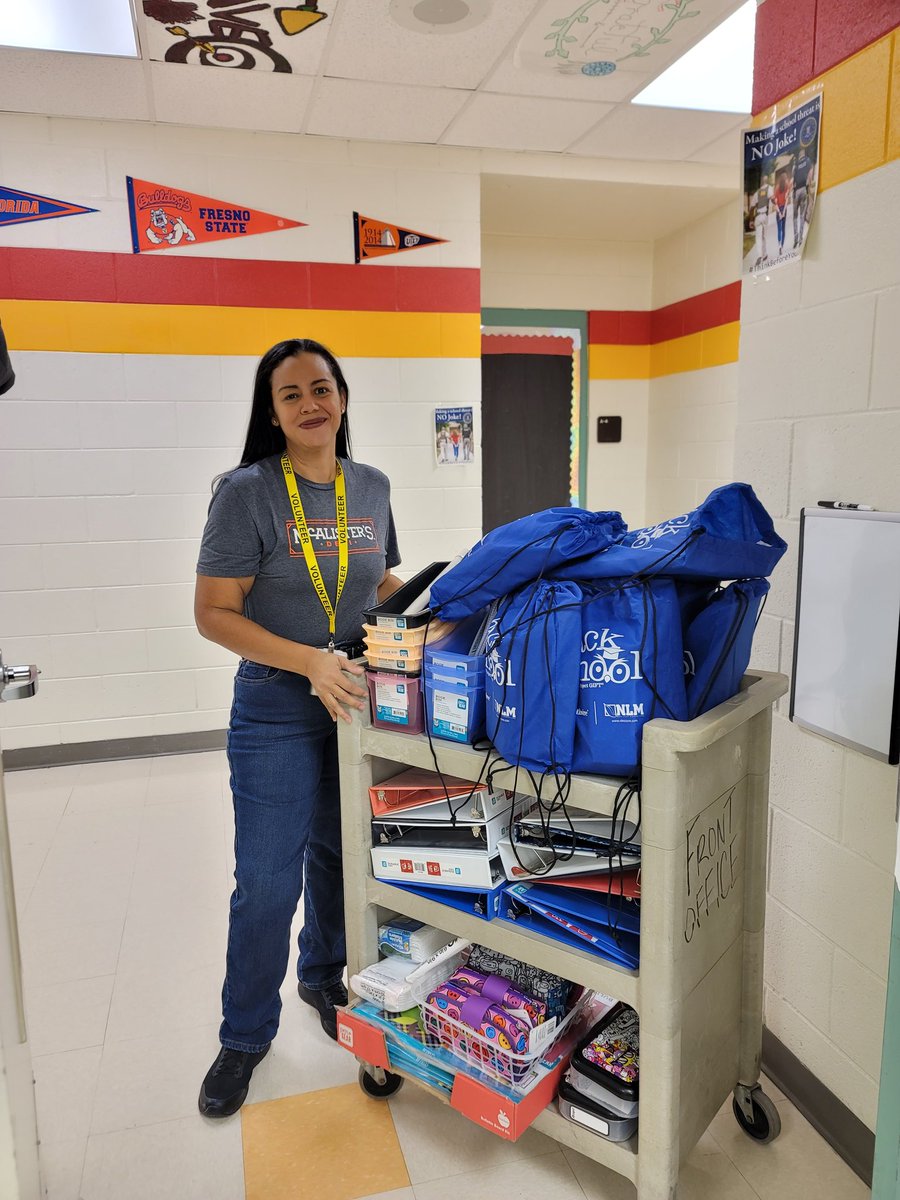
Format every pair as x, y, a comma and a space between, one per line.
312, 565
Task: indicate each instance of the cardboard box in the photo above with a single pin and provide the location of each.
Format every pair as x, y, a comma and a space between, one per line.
495, 1110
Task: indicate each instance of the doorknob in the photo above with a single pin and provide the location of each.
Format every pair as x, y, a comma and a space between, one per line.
17, 683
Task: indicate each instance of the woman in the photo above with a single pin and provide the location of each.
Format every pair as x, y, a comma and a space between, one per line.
299, 541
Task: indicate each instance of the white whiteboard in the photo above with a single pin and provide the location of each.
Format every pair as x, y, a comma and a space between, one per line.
845, 679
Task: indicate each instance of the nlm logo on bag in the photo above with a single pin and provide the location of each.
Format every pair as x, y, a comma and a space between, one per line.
623, 710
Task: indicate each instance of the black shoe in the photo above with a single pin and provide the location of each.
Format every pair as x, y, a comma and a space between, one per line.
227, 1080
325, 1002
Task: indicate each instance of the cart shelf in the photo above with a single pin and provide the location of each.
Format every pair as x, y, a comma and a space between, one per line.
578, 965
595, 793
699, 988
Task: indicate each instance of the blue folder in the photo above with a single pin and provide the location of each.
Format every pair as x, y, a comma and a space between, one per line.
476, 901
585, 920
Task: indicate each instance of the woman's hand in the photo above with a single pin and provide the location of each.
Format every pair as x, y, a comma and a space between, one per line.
328, 675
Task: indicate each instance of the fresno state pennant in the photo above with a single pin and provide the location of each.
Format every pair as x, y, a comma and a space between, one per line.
162, 217
16, 207
372, 239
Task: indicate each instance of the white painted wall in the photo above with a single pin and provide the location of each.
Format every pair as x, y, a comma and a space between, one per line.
691, 415
819, 416
106, 460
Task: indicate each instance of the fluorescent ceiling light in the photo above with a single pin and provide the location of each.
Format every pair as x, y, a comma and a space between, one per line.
716, 74
81, 26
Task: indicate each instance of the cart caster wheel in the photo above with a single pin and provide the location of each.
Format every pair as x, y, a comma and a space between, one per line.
766, 1124
379, 1091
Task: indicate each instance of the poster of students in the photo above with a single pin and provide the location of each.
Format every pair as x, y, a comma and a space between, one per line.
454, 437
781, 171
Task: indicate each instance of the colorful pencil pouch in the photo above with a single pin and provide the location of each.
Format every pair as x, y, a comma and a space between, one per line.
502, 992
486, 1018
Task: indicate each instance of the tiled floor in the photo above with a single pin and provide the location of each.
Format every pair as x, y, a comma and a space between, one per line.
122, 876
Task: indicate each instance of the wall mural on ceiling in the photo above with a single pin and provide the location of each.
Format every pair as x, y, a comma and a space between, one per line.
598, 36
163, 217
243, 34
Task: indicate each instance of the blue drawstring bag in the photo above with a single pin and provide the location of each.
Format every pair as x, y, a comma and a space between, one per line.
531, 675
718, 642
631, 670
729, 536
516, 554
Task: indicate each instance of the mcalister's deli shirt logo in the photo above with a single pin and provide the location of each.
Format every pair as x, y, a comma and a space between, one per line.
324, 536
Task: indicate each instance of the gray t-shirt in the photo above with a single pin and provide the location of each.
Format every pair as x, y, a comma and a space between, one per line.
250, 530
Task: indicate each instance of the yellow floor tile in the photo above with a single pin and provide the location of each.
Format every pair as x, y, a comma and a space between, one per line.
301, 1142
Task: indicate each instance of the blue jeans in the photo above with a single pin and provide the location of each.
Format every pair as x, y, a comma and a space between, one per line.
282, 750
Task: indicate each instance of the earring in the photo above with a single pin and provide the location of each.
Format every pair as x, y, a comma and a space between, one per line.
274, 421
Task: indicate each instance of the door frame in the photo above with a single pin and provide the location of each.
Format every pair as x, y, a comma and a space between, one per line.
559, 323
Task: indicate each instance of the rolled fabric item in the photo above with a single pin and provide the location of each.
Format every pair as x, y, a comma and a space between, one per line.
513, 555
552, 989
501, 991
487, 1019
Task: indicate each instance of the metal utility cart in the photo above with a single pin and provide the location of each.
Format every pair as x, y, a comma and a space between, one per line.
703, 892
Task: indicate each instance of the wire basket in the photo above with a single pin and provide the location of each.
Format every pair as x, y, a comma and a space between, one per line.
492, 1054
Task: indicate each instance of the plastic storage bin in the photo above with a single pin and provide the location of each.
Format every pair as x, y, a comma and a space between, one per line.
581, 1110
405, 662
396, 702
605, 1065
376, 636
392, 613
489, 1055
454, 707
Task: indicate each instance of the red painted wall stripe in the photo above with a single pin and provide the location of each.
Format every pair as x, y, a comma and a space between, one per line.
799, 39
28, 274
720, 306
503, 343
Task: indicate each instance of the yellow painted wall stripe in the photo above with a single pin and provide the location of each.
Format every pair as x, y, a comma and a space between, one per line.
100, 328
860, 112
709, 348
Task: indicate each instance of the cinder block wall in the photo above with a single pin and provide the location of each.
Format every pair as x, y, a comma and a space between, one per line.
130, 398
818, 416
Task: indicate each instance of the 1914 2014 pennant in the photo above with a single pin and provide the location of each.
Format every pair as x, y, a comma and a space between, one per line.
373, 238
163, 217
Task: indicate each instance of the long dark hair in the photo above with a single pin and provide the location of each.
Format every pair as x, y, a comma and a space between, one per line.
265, 439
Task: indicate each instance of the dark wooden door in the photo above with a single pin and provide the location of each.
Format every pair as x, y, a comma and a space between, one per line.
526, 402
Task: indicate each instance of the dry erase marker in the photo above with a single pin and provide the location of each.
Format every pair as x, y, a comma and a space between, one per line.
845, 504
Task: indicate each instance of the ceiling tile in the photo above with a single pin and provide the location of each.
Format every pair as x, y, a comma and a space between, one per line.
518, 81
231, 99
726, 150
523, 123
350, 108
639, 38
638, 131
79, 85
368, 44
